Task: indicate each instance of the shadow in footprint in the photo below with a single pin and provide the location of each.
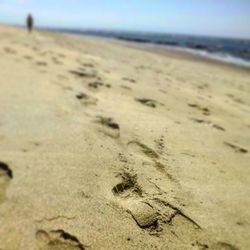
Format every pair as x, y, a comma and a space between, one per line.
127, 186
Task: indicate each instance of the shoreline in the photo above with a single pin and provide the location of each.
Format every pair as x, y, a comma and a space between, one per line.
202, 54
177, 52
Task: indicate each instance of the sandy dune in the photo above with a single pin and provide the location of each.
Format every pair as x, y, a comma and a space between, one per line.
107, 146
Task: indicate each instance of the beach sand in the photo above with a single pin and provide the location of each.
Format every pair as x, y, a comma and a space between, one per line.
107, 146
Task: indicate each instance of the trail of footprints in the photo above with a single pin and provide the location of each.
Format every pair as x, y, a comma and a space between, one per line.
153, 212
150, 212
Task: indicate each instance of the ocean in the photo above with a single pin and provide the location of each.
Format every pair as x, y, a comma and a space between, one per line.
233, 51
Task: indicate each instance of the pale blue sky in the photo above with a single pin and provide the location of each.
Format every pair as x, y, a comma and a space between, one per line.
229, 18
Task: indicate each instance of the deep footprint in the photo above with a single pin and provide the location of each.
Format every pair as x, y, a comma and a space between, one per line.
128, 186
58, 240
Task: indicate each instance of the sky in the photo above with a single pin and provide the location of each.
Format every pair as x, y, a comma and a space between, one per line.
222, 18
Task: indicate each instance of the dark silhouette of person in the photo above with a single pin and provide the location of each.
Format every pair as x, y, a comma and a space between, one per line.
30, 22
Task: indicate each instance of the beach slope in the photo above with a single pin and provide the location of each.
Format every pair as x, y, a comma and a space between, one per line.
108, 146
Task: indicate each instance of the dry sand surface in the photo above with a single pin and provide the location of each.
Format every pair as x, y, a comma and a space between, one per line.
107, 146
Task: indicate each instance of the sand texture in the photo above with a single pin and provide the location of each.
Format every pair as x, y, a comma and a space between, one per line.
107, 146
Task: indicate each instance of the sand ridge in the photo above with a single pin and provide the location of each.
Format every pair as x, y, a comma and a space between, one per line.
106, 146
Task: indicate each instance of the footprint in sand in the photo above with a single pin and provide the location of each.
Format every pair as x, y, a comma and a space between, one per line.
218, 127
56, 61
108, 126
86, 99
28, 57
61, 55
236, 148
126, 87
88, 65
10, 51
97, 84
204, 110
84, 73
236, 99
147, 102
58, 240
43, 64
224, 246
149, 212
131, 194
128, 80
144, 150
201, 121
5, 176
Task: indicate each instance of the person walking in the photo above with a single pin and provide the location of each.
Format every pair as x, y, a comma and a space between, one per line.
30, 22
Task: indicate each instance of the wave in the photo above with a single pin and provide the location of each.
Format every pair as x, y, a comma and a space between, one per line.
217, 56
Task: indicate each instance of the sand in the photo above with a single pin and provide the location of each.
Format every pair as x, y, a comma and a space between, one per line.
104, 145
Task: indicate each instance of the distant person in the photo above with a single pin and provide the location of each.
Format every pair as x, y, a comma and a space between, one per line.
30, 22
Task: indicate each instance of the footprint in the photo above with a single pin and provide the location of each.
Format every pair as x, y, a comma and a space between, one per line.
130, 191
5, 176
10, 51
218, 127
147, 102
109, 127
224, 246
137, 146
86, 99
149, 213
236, 148
144, 149
56, 61
61, 55
205, 111
95, 85
129, 79
200, 121
28, 57
88, 65
58, 240
83, 73
125, 87
42, 64
236, 99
